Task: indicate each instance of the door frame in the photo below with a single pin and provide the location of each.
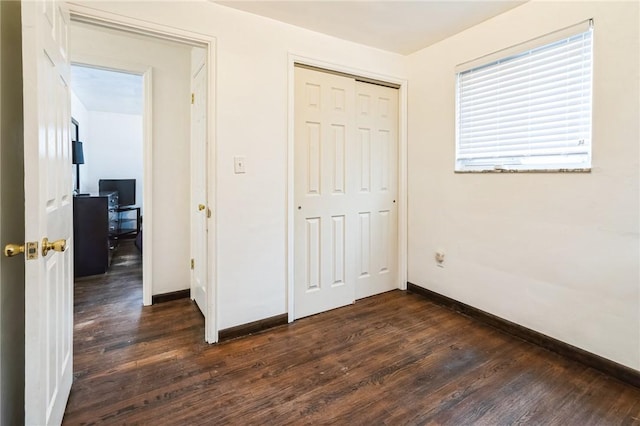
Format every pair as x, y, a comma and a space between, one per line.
292, 60
147, 155
88, 15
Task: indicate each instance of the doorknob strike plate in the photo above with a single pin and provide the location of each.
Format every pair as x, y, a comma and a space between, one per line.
32, 250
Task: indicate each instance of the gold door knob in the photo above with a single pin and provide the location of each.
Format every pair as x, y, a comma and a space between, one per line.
201, 207
58, 245
11, 250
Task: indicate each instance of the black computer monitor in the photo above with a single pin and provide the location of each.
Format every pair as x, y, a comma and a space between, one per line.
126, 189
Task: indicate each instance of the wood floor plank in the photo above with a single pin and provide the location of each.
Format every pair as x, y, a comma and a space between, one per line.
393, 359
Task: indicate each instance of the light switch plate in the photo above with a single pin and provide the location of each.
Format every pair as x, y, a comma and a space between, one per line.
239, 164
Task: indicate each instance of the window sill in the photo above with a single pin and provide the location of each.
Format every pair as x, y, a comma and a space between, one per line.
583, 170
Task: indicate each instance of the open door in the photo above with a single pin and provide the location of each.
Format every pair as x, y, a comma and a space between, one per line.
11, 217
199, 209
48, 212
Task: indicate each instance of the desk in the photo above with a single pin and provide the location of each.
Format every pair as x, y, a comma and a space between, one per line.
127, 224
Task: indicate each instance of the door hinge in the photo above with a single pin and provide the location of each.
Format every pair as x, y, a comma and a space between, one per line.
193, 98
193, 263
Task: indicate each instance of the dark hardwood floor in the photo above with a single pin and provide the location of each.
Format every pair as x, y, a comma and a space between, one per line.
390, 359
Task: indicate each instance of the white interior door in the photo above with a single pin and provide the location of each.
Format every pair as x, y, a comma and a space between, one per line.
199, 208
345, 190
48, 211
325, 212
377, 190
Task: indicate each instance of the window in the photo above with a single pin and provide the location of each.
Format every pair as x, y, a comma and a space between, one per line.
528, 108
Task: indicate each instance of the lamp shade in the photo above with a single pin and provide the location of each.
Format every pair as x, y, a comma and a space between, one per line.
77, 155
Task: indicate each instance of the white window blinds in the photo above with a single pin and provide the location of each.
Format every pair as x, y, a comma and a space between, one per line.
529, 110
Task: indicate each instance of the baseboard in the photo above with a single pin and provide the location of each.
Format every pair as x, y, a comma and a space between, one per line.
167, 297
252, 327
619, 371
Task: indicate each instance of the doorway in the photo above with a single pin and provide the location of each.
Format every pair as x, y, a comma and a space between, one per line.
107, 109
167, 198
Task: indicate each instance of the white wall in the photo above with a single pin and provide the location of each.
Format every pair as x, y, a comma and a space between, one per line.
81, 115
171, 131
557, 253
115, 150
251, 78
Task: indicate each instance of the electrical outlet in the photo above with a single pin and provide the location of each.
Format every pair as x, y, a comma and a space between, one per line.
440, 258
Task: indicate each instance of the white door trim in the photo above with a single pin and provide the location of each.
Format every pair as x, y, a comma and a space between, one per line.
88, 14
293, 59
147, 185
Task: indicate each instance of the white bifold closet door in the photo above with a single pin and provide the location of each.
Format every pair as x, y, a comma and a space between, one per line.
345, 190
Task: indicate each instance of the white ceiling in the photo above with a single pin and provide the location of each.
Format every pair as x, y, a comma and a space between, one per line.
397, 26
107, 91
